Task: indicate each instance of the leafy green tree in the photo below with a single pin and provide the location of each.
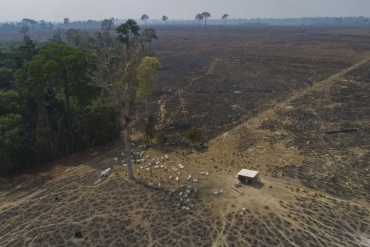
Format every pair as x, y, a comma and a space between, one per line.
10, 129
126, 30
6, 75
25, 30
28, 21
206, 15
59, 37
26, 33
225, 16
148, 35
146, 78
199, 17
28, 51
10, 140
165, 18
9, 102
144, 18
57, 66
6, 78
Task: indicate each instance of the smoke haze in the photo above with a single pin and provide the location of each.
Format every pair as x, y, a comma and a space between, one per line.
56, 10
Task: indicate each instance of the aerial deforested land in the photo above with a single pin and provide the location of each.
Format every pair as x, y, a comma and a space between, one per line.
289, 102
218, 78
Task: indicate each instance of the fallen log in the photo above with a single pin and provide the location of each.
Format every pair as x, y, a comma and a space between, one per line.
341, 131
241, 193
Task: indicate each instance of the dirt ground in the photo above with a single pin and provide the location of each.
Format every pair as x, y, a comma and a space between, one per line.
309, 144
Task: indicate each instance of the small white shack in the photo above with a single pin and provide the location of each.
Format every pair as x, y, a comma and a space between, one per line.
248, 176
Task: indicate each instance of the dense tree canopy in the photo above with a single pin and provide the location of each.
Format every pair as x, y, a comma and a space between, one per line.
69, 93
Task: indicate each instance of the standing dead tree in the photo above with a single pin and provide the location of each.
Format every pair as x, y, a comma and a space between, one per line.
107, 25
116, 73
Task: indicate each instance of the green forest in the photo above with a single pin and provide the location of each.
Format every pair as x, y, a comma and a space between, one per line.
72, 92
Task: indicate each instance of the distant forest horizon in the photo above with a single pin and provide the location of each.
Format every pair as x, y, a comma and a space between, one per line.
359, 21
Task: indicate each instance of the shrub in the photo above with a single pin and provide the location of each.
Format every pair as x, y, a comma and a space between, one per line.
194, 134
160, 139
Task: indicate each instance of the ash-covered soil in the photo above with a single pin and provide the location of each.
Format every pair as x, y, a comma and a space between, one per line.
330, 127
216, 79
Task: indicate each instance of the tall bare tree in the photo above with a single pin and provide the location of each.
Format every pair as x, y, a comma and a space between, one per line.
199, 17
107, 25
144, 18
225, 17
117, 68
206, 15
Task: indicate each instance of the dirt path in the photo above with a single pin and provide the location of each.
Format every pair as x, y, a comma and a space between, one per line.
298, 94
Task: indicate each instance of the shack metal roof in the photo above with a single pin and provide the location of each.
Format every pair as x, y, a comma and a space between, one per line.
247, 173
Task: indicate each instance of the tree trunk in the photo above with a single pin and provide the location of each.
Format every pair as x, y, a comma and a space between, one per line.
147, 105
205, 23
225, 21
125, 109
150, 44
145, 23
67, 103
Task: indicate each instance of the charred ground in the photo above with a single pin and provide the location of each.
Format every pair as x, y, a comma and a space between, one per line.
300, 89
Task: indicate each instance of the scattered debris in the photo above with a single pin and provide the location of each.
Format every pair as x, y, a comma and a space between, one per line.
218, 192
241, 193
341, 131
103, 174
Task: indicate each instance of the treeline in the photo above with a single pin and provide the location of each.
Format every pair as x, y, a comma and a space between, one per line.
43, 25
56, 97
306, 21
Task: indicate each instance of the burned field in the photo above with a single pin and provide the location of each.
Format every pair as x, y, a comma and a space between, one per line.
219, 78
330, 127
290, 102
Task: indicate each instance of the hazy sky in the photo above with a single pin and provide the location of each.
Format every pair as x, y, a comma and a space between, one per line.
56, 10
